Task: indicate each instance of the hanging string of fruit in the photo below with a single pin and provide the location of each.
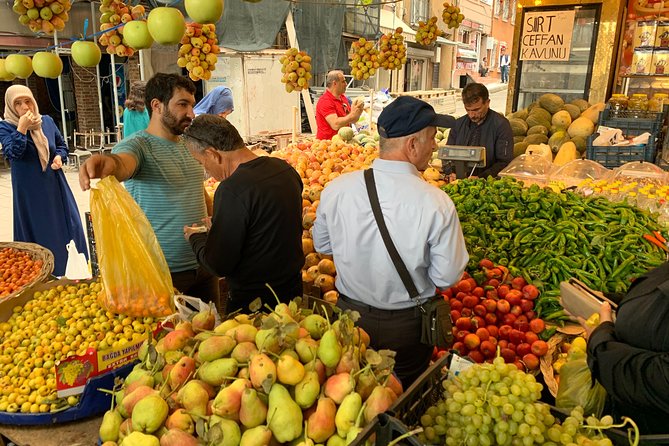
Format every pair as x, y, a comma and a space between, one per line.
43, 15
452, 16
365, 59
393, 51
198, 50
114, 13
296, 70
428, 32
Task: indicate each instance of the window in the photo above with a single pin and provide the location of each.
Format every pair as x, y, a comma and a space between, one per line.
513, 12
498, 7
465, 37
505, 10
419, 10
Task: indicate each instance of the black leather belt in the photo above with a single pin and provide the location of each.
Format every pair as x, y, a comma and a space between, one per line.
370, 308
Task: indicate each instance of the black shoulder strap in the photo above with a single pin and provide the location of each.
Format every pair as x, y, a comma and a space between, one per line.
385, 235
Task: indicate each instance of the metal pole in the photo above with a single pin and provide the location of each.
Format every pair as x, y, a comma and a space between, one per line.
97, 71
60, 93
141, 65
116, 114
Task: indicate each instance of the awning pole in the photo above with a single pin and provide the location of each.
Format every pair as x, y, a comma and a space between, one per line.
97, 71
116, 114
60, 92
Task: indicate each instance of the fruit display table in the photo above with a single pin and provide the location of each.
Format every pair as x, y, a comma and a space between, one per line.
82, 432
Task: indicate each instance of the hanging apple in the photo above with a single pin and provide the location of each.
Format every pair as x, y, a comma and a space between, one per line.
86, 53
166, 25
136, 35
115, 13
198, 50
47, 64
204, 11
19, 65
4, 74
43, 15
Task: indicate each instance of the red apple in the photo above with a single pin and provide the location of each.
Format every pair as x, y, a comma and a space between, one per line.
490, 305
488, 349
472, 282
478, 321
516, 310
490, 318
539, 348
472, 341
503, 290
518, 283
493, 331
478, 292
503, 343
514, 297
456, 305
516, 336
526, 305
460, 295
476, 356
460, 335
463, 323
512, 346
505, 331
486, 263
509, 319
508, 355
460, 348
455, 315
493, 283
464, 286
523, 349
531, 361
503, 306
483, 334
480, 310
537, 325
521, 325
470, 301
519, 365
466, 312
491, 294
530, 292
530, 315
448, 293
530, 337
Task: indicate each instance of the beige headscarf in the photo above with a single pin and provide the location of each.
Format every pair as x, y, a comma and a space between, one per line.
38, 136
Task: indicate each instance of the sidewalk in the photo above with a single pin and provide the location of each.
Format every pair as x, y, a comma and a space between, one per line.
6, 212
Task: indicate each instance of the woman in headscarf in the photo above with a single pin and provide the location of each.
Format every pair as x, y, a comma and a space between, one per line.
217, 102
44, 208
135, 116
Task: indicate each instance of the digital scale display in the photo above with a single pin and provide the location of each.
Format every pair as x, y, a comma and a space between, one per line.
462, 153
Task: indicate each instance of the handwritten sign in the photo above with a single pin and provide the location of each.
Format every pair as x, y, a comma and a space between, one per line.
546, 35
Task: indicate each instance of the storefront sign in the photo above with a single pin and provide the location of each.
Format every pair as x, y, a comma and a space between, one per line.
546, 35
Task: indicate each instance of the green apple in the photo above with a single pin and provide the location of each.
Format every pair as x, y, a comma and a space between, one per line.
86, 53
166, 25
47, 64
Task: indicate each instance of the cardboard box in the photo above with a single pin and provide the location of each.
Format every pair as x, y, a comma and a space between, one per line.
660, 61
642, 61
644, 35
662, 35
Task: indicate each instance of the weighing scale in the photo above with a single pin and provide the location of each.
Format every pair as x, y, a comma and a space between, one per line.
464, 159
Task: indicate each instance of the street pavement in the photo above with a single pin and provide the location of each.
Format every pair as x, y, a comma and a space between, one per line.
497, 102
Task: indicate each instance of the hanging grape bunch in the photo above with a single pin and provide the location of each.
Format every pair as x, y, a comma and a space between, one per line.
43, 15
114, 13
428, 32
452, 16
393, 52
365, 59
296, 70
198, 50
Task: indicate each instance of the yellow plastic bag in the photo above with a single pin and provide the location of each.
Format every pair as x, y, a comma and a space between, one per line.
576, 388
133, 268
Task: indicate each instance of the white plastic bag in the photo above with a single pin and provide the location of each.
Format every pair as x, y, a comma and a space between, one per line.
609, 136
77, 266
188, 306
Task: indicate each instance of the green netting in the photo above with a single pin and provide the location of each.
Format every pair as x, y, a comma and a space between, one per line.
319, 25
249, 26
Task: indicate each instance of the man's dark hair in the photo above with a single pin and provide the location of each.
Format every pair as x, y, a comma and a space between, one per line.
213, 131
473, 92
162, 87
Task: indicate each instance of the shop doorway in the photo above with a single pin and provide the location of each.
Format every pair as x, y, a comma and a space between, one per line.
414, 74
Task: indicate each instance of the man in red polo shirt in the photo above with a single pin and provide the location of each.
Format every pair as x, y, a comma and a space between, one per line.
333, 110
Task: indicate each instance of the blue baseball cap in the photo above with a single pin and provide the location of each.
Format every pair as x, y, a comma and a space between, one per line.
407, 115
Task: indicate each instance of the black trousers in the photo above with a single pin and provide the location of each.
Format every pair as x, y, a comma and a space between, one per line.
197, 283
397, 330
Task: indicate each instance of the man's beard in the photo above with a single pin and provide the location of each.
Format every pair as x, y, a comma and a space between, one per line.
170, 122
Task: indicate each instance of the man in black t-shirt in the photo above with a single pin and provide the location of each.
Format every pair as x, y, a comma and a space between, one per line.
256, 228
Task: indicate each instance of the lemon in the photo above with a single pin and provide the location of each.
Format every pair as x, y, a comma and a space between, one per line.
579, 344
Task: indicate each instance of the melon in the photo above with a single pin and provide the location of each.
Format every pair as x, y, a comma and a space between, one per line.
561, 119
542, 150
519, 148
520, 114
551, 102
517, 139
542, 112
582, 104
580, 143
566, 153
518, 126
346, 133
534, 120
554, 129
537, 129
582, 127
536, 138
573, 110
532, 106
592, 113
557, 139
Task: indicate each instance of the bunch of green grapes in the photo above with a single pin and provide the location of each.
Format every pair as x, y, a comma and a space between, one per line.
497, 404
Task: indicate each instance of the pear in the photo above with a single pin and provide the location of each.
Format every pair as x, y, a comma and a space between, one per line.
143, 380
186, 326
140, 439
109, 428
174, 340
176, 437
243, 333
306, 349
182, 371
139, 374
173, 356
204, 320
215, 347
243, 351
256, 436
338, 386
347, 413
307, 390
321, 423
267, 340
180, 419
229, 433
229, 399
253, 411
336, 440
284, 415
378, 402
315, 324
226, 325
193, 397
216, 372
349, 361
125, 429
395, 385
149, 414
289, 370
262, 370
329, 349
365, 383
130, 400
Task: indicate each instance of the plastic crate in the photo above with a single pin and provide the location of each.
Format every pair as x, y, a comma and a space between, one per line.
615, 156
632, 123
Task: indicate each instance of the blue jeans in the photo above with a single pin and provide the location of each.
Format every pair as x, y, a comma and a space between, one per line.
505, 74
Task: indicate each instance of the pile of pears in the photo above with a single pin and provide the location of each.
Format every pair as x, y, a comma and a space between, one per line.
284, 375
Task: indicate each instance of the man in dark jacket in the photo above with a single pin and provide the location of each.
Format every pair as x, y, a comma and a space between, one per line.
631, 357
483, 127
